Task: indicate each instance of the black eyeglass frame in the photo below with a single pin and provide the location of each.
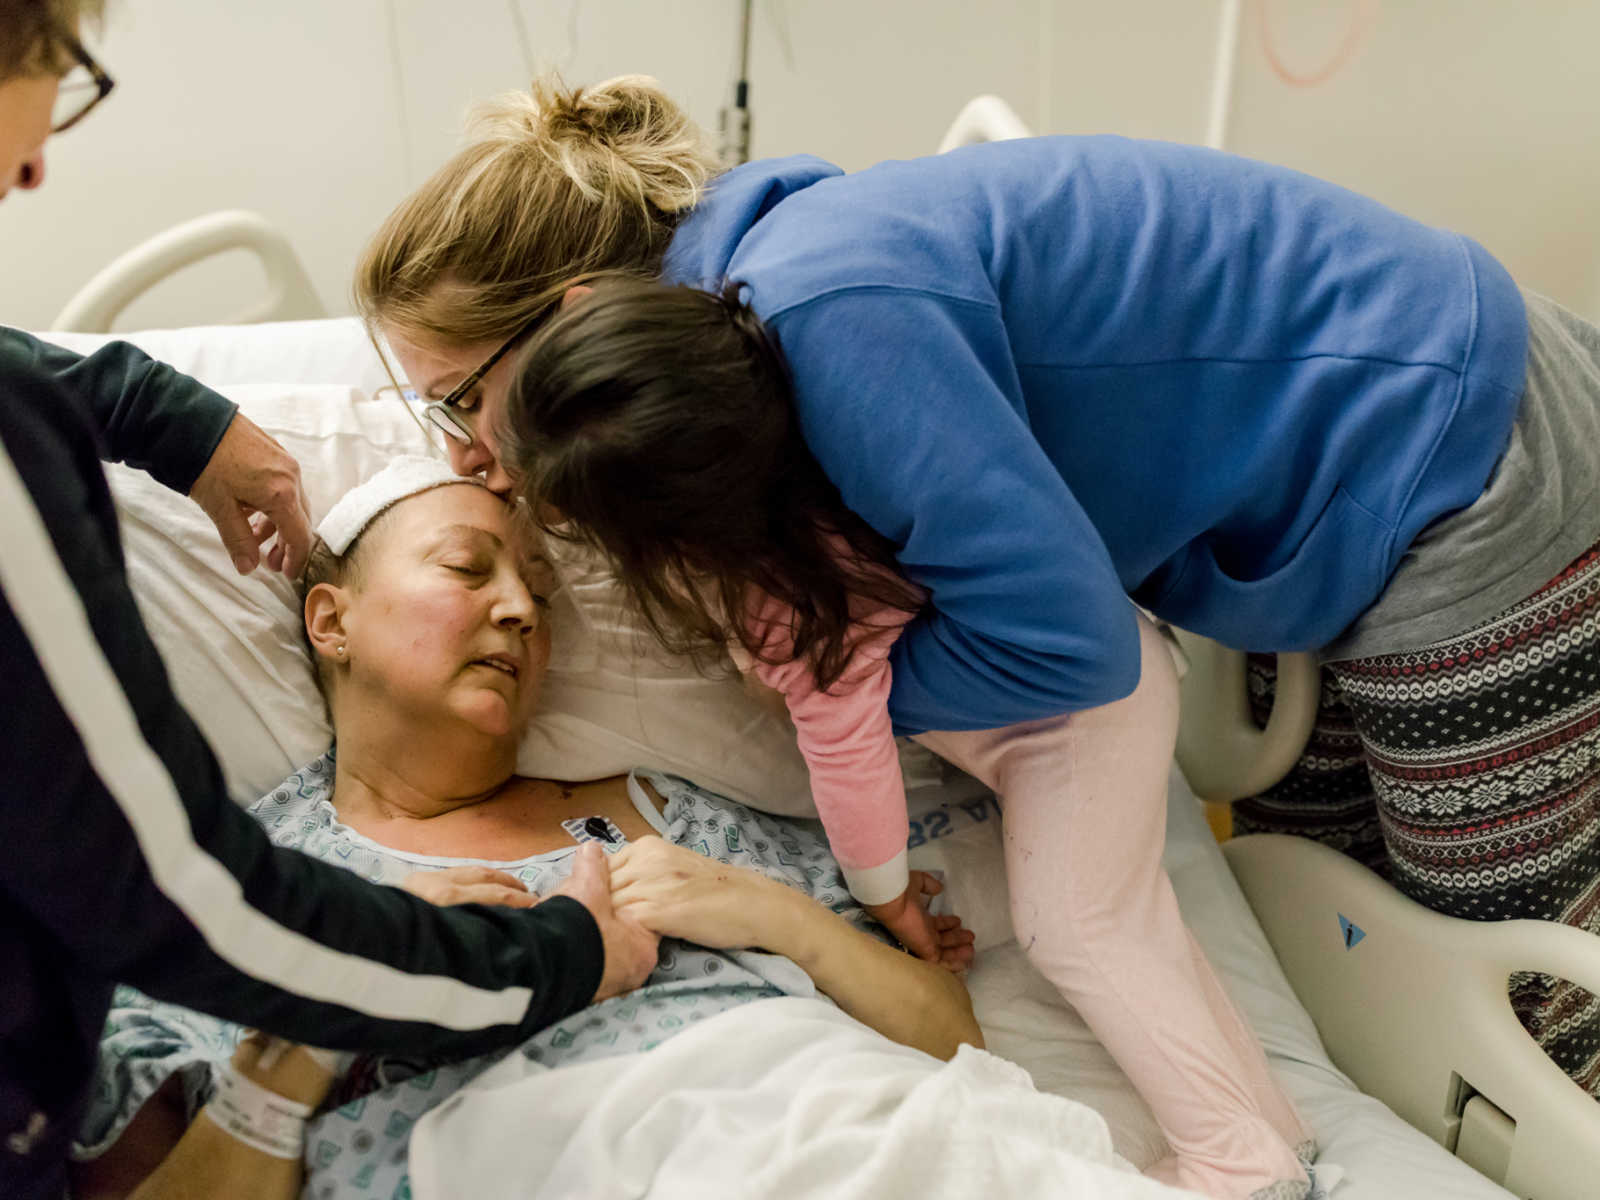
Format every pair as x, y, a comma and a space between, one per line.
102, 81
442, 414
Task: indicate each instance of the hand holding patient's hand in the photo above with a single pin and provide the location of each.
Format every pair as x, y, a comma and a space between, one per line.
630, 947
681, 894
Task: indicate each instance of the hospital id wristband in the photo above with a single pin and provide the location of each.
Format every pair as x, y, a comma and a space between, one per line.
335, 1062
257, 1117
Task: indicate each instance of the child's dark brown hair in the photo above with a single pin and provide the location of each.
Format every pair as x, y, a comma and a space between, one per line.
659, 422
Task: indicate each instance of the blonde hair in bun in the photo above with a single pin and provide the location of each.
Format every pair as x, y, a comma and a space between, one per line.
623, 136
553, 185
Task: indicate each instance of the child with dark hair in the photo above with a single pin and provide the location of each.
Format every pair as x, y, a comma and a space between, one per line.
657, 424
733, 538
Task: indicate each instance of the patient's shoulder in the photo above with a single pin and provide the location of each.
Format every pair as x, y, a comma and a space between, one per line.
298, 798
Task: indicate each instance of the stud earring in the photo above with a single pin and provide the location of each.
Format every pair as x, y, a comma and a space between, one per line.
340, 650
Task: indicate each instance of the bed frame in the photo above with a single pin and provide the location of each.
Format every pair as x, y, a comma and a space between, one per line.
1410, 1004
290, 296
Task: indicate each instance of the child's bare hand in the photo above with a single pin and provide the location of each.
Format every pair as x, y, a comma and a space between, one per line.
940, 940
956, 943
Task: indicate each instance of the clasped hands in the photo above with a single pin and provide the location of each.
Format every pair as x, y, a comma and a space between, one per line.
652, 889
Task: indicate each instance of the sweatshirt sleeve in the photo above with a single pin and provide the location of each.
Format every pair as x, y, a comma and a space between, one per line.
847, 740
912, 404
148, 415
137, 866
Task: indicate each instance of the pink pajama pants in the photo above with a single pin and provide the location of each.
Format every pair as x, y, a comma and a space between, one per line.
1085, 824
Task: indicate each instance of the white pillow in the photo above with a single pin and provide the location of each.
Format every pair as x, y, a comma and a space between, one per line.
614, 699
233, 646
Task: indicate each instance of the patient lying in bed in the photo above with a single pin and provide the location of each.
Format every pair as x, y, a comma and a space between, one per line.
431, 652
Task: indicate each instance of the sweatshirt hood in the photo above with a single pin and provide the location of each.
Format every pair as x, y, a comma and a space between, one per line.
705, 242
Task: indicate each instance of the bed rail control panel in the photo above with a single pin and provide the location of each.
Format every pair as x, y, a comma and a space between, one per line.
1484, 1138
1416, 1012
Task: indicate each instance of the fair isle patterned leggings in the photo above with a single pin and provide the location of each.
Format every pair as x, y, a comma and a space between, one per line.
1468, 773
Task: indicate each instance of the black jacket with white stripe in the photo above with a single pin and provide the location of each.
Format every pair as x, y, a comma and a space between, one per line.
123, 858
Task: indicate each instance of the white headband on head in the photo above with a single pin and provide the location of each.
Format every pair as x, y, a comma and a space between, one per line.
360, 506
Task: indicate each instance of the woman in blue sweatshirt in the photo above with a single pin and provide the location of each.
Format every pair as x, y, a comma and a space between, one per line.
1048, 376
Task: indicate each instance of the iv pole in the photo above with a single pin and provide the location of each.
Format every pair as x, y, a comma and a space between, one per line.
735, 146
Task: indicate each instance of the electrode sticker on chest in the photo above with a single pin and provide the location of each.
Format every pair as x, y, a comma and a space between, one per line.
596, 829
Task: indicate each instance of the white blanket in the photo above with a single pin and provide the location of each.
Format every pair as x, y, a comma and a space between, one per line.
784, 1098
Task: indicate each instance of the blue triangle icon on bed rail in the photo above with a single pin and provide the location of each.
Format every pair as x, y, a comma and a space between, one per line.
1353, 933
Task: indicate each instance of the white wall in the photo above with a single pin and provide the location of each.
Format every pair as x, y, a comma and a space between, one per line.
322, 113
1477, 115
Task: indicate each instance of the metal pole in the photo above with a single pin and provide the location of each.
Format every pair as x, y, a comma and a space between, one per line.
735, 147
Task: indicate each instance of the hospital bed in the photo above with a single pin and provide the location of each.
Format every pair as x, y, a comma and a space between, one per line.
1388, 1024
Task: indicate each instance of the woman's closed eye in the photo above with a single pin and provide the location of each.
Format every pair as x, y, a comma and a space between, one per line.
478, 571
470, 568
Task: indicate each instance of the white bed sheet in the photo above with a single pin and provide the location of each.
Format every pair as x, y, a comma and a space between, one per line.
1023, 1019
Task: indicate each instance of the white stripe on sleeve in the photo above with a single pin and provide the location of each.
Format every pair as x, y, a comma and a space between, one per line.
52, 616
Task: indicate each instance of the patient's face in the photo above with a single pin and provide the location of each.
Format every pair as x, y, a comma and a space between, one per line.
448, 619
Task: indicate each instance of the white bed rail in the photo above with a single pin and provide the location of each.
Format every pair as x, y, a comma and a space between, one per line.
1224, 755
984, 119
290, 296
1412, 1006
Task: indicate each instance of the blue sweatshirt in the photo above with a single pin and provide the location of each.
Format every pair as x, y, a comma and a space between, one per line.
1059, 372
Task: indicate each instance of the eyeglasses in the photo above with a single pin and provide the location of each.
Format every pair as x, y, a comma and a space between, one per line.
444, 414
83, 86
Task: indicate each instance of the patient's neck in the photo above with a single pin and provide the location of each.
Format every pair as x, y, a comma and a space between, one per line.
389, 769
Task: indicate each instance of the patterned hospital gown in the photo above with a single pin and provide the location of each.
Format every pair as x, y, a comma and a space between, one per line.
356, 1146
